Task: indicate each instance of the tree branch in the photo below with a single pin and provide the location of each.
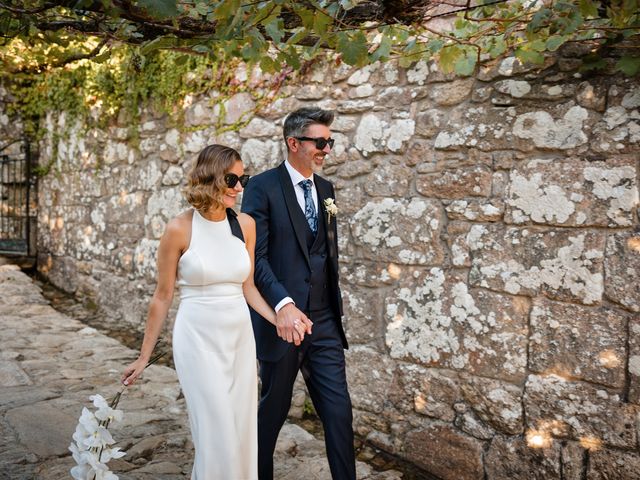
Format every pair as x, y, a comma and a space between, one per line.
22, 11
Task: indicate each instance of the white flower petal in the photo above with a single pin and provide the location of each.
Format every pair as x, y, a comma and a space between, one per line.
99, 401
81, 472
88, 419
111, 453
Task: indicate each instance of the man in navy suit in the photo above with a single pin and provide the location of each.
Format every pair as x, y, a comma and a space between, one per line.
296, 270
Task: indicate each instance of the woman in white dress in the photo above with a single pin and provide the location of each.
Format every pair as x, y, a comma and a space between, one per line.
213, 343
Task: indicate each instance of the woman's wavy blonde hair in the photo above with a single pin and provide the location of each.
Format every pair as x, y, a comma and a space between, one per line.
205, 183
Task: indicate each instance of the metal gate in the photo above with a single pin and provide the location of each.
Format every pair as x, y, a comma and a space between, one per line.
17, 202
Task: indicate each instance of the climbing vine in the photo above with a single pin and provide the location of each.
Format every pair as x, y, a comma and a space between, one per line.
124, 84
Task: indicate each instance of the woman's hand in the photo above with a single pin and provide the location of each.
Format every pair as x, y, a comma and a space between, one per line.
133, 371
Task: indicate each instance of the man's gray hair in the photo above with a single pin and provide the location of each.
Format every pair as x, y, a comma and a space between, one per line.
297, 122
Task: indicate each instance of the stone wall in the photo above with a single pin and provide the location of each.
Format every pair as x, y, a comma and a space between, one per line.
490, 250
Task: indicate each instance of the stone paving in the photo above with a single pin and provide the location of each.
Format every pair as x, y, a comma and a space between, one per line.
49, 366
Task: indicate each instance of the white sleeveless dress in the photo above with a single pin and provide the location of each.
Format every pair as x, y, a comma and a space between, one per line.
214, 353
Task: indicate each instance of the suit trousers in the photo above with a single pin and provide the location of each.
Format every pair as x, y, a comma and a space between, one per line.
321, 359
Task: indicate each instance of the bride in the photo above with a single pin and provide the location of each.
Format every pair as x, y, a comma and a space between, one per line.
209, 250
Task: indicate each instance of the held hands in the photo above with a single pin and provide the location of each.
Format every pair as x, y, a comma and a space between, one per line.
133, 371
292, 325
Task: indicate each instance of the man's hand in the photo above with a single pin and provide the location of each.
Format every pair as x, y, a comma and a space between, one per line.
292, 324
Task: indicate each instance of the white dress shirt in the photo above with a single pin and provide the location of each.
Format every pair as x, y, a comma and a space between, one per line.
296, 178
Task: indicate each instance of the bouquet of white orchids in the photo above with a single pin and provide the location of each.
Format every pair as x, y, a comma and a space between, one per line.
92, 446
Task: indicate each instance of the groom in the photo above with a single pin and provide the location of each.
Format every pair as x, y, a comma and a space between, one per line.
296, 270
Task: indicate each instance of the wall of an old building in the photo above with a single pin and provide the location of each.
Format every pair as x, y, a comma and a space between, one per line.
490, 251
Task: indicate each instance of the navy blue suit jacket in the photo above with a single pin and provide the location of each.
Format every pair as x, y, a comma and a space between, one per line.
282, 265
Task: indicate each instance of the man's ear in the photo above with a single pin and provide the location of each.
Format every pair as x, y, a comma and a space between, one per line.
292, 143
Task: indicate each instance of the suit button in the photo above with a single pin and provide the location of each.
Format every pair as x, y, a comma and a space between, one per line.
306, 280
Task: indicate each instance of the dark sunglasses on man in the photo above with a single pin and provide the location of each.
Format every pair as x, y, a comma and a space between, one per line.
319, 141
231, 179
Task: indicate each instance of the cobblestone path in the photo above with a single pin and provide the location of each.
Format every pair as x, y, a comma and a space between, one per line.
49, 366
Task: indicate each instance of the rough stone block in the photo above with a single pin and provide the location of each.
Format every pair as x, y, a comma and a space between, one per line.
445, 452
428, 391
484, 127
389, 181
437, 321
238, 108
458, 246
355, 168
580, 342
349, 200
452, 93
607, 464
564, 265
429, 122
513, 459
402, 231
622, 264
369, 375
592, 96
573, 193
44, 429
369, 274
634, 359
490, 210
498, 404
560, 408
260, 155
259, 127
376, 134
11, 375
456, 184
363, 319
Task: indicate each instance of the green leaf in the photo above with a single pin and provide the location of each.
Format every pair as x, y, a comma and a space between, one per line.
103, 57
589, 8
529, 56
449, 55
226, 9
158, 43
353, 47
181, 60
383, 51
275, 29
540, 17
290, 57
202, 8
538, 45
159, 9
466, 64
629, 65
435, 45
299, 34
554, 42
201, 48
497, 47
268, 65
321, 23
306, 16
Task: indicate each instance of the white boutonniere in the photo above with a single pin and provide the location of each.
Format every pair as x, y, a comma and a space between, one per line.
331, 208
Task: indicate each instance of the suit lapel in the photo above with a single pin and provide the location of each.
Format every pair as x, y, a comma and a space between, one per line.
298, 220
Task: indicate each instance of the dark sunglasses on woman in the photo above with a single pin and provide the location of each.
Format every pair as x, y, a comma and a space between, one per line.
319, 141
231, 179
